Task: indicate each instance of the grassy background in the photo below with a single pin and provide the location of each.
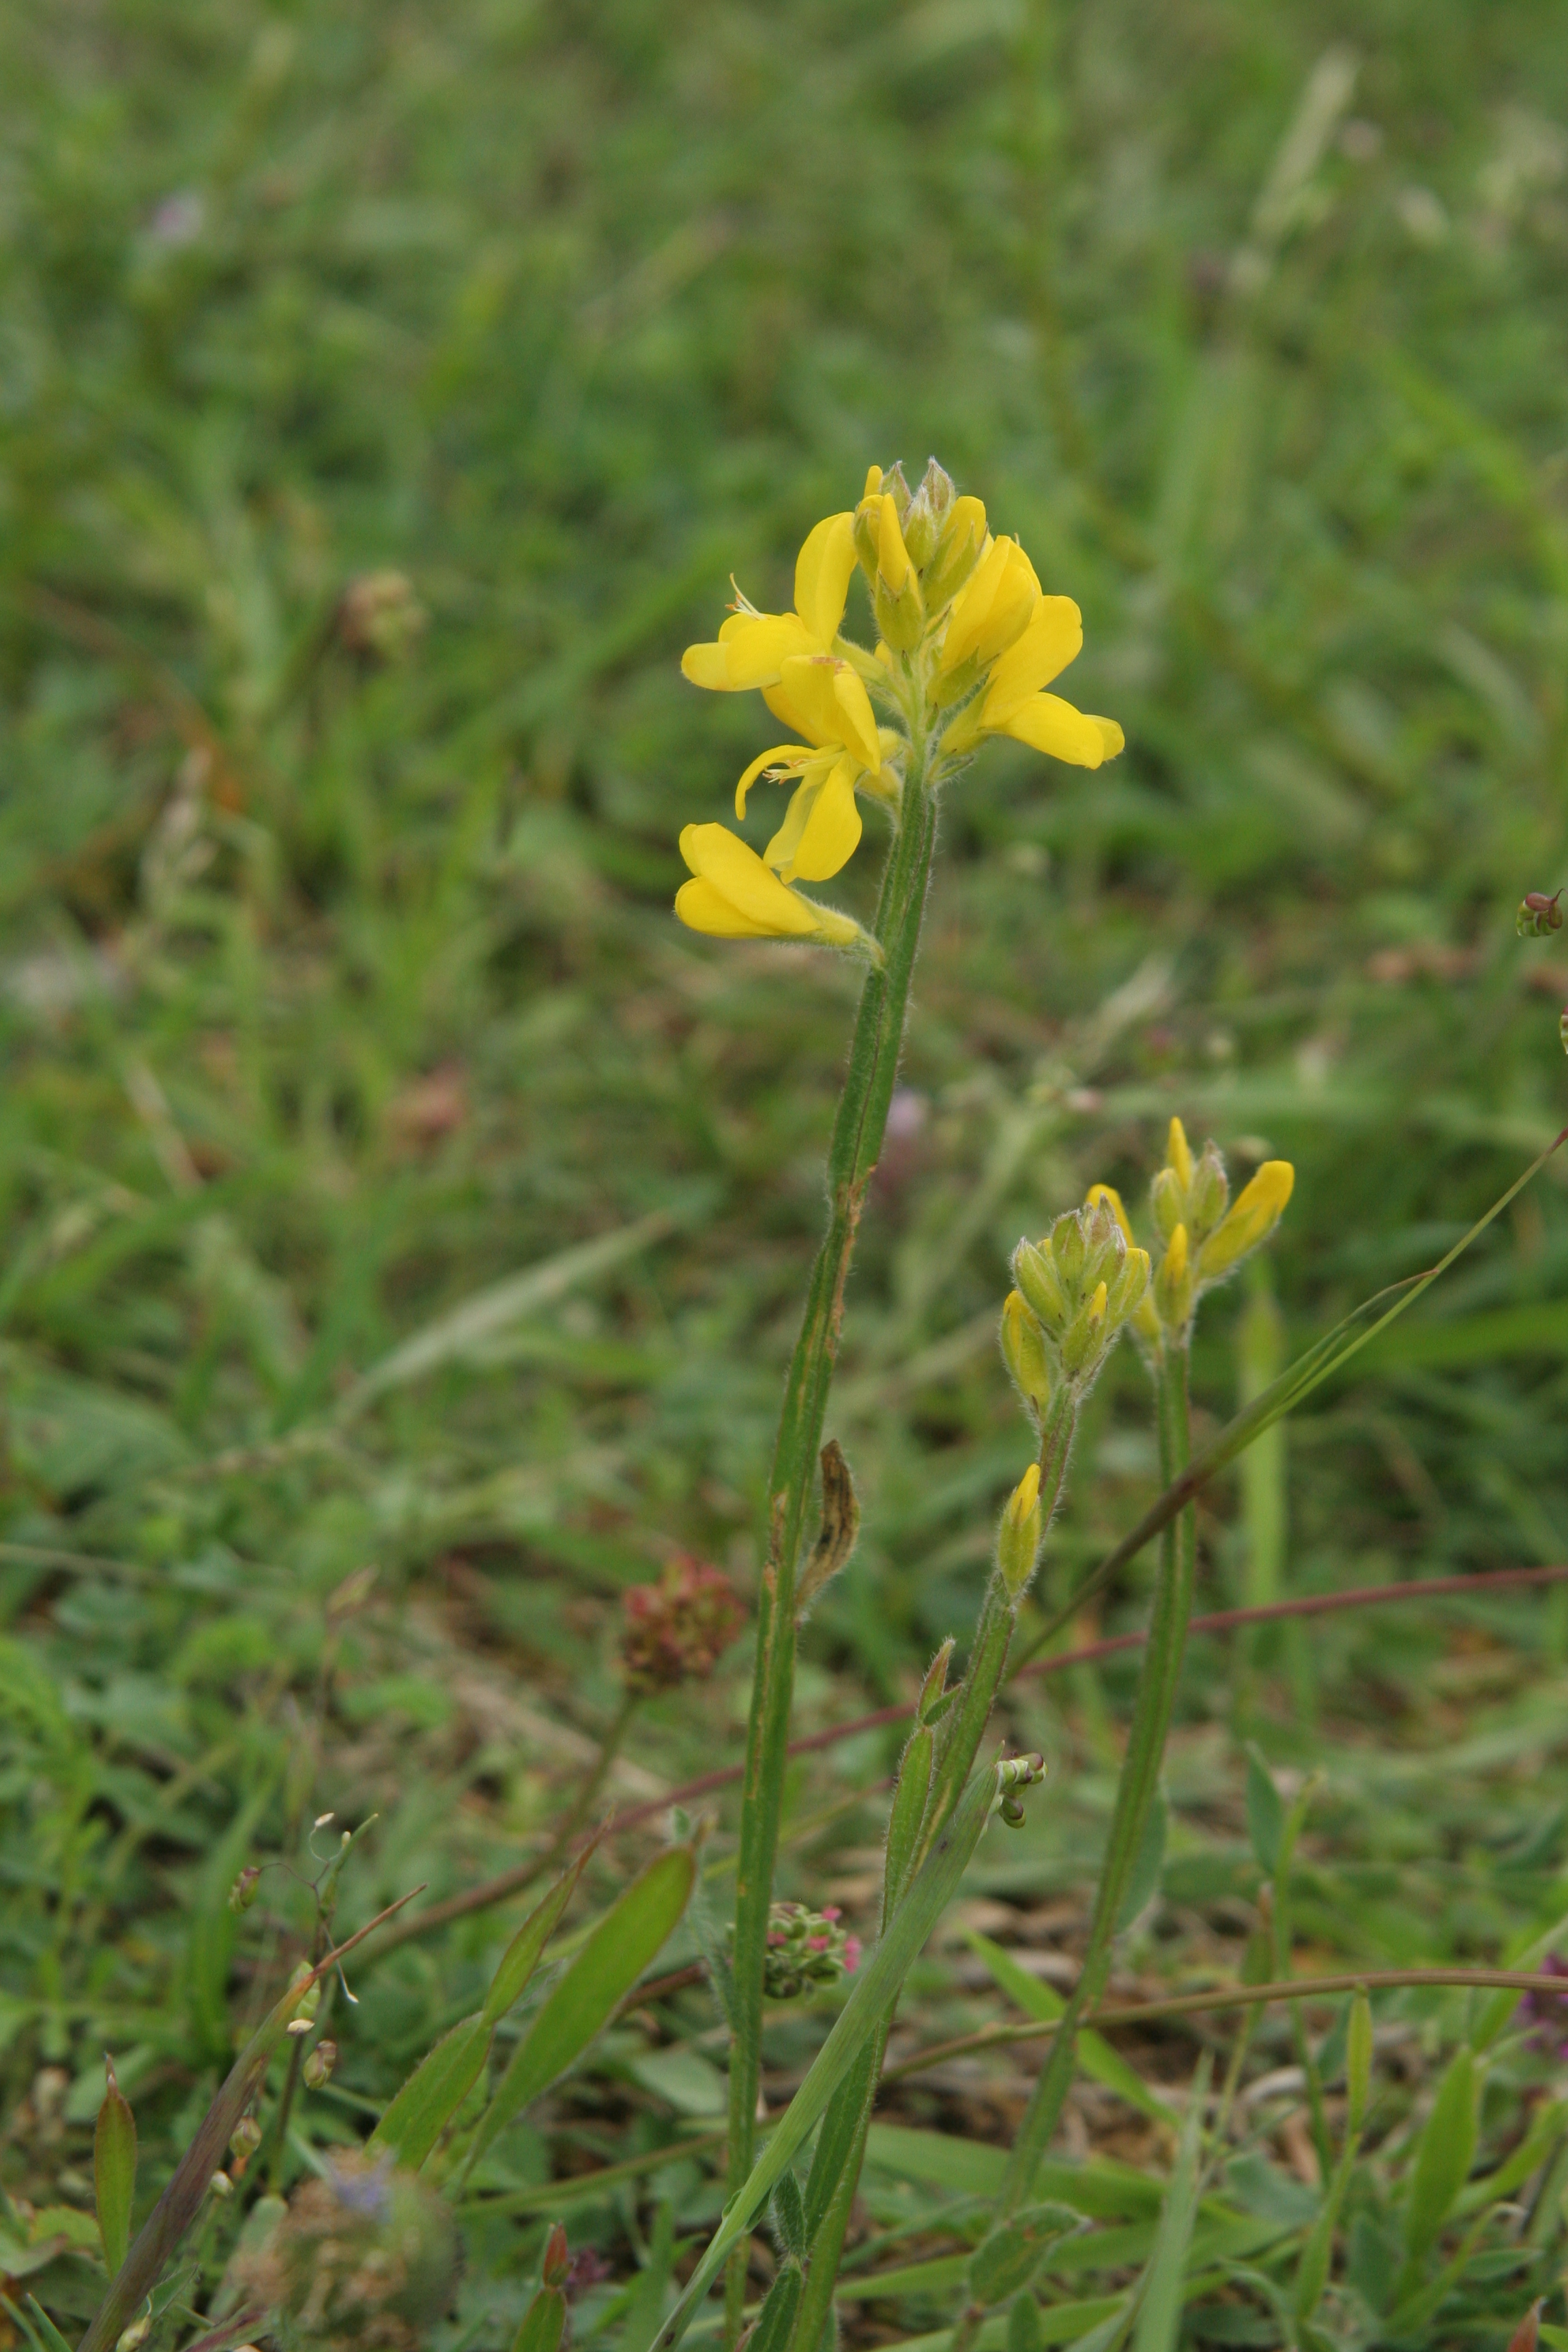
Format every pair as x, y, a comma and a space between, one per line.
335, 989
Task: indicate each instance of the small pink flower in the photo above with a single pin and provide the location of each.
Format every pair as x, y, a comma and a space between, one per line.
851, 1954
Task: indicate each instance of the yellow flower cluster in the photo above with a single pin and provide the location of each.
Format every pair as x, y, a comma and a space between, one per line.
1076, 1287
968, 643
1205, 1234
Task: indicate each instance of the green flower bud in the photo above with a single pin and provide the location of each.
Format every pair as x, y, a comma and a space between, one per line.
1085, 1336
1018, 1537
958, 550
1208, 1195
1538, 914
1128, 1290
1035, 1272
1168, 1197
1024, 1353
1069, 1247
1174, 1283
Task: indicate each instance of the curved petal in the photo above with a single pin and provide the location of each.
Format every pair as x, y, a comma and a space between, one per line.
1012, 607
707, 666
756, 645
1110, 735
755, 894
822, 575
1053, 638
703, 907
971, 604
822, 827
1046, 723
830, 706
791, 752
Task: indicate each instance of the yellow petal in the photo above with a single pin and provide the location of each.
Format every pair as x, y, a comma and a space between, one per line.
1046, 723
702, 907
1178, 1154
827, 702
971, 604
1053, 638
757, 643
791, 752
757, 905
707, 666
822, 574
829, 831
1109, 1194
1111, 734
873, 482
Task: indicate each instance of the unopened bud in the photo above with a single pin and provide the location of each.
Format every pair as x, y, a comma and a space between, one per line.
221, 2186
1035, 1274
1086, 1335
1069, 1247
928, 509
1209, 1191
1174, 1283
958, 550
1538, 914
244, 1891
1168, 1199
1178, 1155
1128, 1290
1018, 1537
1258, 1210
1024, 1353
131, 2338
319, 2064
246, 2137
896, 596
557, 2259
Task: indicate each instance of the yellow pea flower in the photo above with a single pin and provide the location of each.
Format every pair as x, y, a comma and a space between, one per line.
734, 896
826, 702
992, 612
752, 647
1013, 704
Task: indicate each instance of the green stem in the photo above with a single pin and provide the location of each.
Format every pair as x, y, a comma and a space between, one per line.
1135, 1788
856, 1143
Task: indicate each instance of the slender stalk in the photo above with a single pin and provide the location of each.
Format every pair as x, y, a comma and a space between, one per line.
856, 1141
1134, 1793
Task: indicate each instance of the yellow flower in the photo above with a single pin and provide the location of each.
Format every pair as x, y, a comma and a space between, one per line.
1011, 702
1253, 1216
752, 647
992, 612
734, 896
825, 701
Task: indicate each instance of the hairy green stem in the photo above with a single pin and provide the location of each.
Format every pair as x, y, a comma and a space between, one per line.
856, 1143
1135, 1791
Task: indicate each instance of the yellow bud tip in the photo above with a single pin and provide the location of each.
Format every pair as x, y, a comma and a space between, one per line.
1027, 1493
1271, 1187
873, 481
1097, 1303
1176, 1250
1098, 1192
1177, 1154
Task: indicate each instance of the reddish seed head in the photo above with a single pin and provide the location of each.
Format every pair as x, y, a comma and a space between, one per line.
677, 1629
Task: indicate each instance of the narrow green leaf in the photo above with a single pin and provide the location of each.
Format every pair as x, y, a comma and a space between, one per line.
1008, 2256
433, 2092
521, 1956
628, 1937
650, 2288
1265, 1812
48, 2334
1103, 2063
775, 2321
1143, 1878
1444, 2157
1160, 2314
1024, 2331
115, 2171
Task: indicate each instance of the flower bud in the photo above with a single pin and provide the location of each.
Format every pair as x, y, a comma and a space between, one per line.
1168, 1199
896, 596
1035, 1272
131, 2338
1178, 1156
1129, 1289
1069, 1247
1538, 914
1084, 1341
1209, 1191
246, 2137
928, 509
220, 2185
958, 550
1253, 1218
557, 2259
1018, 1538
806, 1949
246, 1887
319, 2064
1174, 1283
1024, 1353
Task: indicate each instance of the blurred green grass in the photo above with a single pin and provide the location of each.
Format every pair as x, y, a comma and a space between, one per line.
336, 991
